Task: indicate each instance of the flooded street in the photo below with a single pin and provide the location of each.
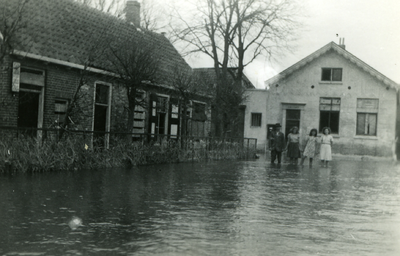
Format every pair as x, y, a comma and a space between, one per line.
218, 208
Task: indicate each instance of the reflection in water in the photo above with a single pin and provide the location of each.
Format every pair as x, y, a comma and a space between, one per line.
220, 208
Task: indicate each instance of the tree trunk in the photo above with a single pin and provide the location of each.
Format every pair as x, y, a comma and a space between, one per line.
131, 108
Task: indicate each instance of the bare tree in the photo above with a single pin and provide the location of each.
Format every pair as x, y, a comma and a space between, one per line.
153, 16
96, 45
113, 7
233, 33
135, 62
186, 84
11, 14
10, 23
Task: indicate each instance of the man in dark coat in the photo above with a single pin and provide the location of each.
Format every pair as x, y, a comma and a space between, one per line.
276, 143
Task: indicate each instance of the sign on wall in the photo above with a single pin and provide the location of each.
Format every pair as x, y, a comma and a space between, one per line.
16, 74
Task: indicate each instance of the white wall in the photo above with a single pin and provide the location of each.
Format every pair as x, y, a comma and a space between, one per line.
256, 102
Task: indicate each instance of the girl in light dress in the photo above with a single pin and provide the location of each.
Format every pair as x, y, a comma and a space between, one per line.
326, 146
293, 146
310, 149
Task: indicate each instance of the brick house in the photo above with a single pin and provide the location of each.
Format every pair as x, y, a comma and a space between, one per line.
331, 87
58, 57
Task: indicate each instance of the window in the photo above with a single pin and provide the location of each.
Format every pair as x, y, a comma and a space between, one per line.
140, 114
329, 114
30, 84
102, 114
60, 110
367, 116
102, 94
256, 119
331, 74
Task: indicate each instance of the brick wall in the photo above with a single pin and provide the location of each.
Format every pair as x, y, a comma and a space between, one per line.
61, 83
8, 100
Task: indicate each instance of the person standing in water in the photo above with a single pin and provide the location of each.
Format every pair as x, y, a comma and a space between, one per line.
326, 146
293, 145
276, 144
310, 149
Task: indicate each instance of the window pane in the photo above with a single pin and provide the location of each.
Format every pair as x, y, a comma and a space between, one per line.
360, 123
329, 119
325, 107
335, 107
101, 94
326, 74
325, 101
175, 111
372, 124
323, 120
60, 106
162, 104
334, 122
255, 119
337, 74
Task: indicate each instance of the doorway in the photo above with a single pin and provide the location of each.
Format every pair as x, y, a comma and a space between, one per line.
292, 119
101, 119
28, 112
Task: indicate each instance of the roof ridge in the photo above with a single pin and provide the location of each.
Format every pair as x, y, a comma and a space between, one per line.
72, 32
343, 52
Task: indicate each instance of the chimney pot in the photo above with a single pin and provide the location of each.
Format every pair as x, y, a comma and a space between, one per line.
132, 12
341, 43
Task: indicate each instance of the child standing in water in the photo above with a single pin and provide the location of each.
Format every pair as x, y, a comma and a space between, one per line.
326, 146
311, 147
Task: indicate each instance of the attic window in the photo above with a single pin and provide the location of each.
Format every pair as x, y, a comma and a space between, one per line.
331, 74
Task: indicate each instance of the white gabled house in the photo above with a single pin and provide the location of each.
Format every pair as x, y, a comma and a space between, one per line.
331, 87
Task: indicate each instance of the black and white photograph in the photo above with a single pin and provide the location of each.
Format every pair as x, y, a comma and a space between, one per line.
199, 127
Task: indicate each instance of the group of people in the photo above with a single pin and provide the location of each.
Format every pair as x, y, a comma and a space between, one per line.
296, 150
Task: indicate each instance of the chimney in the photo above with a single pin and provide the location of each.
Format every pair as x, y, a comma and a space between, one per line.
341, 43
132, 12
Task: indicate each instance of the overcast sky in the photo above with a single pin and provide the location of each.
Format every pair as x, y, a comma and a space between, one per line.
370, 28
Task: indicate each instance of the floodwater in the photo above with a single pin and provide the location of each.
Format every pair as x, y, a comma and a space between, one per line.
218, 208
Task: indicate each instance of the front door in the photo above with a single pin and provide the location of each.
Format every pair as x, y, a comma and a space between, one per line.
292, 119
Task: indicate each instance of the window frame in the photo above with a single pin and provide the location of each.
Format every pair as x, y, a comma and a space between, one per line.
58, 112
367, 107
331, 75
330, 111
366, 123
256, 122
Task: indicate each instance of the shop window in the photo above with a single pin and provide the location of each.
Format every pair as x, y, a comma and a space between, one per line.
331, 74
329, 114
256, 119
